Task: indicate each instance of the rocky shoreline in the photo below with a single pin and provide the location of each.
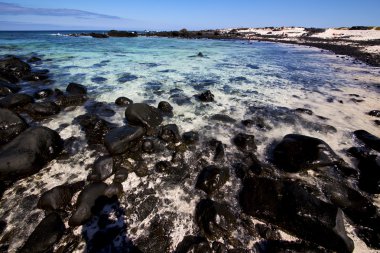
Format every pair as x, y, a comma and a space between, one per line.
306, 190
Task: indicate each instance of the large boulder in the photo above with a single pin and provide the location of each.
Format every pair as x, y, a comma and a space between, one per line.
13, 69
59, 197
212, 178
47, 233
143, 115
29, 152
86, 201
368, 139
120, 139
15, 100
298, 152
291, 206
11, 125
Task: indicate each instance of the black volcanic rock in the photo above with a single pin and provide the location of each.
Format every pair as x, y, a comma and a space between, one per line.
195, 244
206, 96
368, 139
44, 93
165, 107
102, 169
290, 205
190, 137
223, 118
43, 109
374, 113
66, 100
47, 233
11, 125
298, 152
15, 100
29, 152
7, 88
212, 178
13, 69
114, 33
170, 133
245, 142
120, 139
143, 115
76, 89
95, 127
123, 101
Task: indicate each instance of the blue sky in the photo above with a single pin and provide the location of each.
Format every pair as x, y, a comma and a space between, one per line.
177, 14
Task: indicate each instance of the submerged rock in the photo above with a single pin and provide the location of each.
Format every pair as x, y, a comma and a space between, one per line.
123, 101
15, 100
298, 152
290, 205
245, 142
223, 118
34, 59
143, 115
86, 201
212, 178
11, 125
119, 140
28, 152
206, 96
76, 89
368, 139
47, 233
59, 197
214, 219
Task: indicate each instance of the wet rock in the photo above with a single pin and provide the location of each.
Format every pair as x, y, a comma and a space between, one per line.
13, 69
374, 113
298, 152
222, 118
267, 232
368, 139
200, 54
143, 115
59, 197
371, 237
146, 207
214, 219
165, 107
271, 246
66, 100
290, 205
206, 96
126, 77
194, 244
43, 109
369, 180
76, 89
141, 169
3, 225
11, 125
86, 201
36, 76
162, 167
119, 140
218, 148
304, 110
44, 93
245, 142
100, 109
170, 133
102, 169
47, 233
190, 137
121, 175
219, 247
94, 127
123, 101
15, 100
114, 189
159, 229
7, 88
28, 152
212, 178
34, 59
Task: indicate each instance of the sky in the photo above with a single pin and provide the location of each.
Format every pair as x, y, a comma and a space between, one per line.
177, 14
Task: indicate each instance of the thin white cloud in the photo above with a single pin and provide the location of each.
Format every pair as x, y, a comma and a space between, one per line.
15, 9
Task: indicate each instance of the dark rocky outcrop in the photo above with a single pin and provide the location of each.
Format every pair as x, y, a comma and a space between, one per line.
123, 101
44, 93
86, 202
102, 169
214, 219
170, 133
166, 108
190, 137
13, 69
206, 96
245, 142
298, 152
66, 100
47, 233
94, 127
11, 125
120, 139
114, 33
368, 139
59, 197
290, 205
15, 100
212, 178
43, 109
7, 88
143, 115
76, 89
28, 152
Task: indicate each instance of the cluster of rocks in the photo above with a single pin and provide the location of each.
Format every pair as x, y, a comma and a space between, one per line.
281, 193
112, 33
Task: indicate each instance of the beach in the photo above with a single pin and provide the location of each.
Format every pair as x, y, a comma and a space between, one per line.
229, 140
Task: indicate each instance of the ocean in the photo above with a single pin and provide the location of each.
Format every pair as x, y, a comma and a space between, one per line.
261, 81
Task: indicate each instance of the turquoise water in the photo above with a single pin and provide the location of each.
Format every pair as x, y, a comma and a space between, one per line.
249, 80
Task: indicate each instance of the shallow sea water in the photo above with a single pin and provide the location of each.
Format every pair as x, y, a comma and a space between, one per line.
249, 80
